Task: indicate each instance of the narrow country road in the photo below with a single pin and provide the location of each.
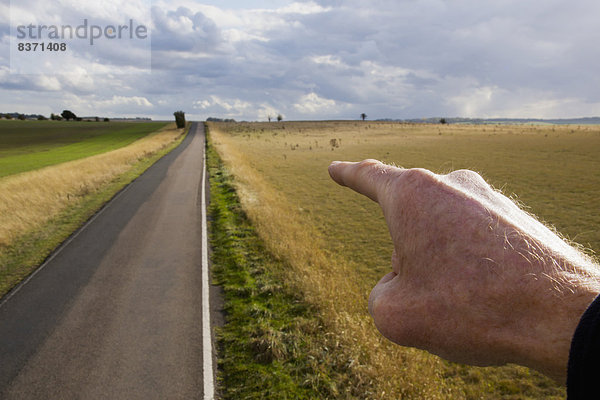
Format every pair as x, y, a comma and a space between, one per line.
117, 312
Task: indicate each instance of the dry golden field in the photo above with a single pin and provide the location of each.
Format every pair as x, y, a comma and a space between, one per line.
337, 245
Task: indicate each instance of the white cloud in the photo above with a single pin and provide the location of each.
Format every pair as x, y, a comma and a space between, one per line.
266, 111
474, 102
239, 35
48, 83
109, 106
4, 13
126, 101
330, 60
523, 103
303, 8
313, 104
38, 83
228, 107
202, 104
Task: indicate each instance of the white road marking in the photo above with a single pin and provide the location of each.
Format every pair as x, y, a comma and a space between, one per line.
209, 387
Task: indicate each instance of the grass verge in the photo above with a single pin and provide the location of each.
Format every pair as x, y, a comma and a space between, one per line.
274, 344
24, 252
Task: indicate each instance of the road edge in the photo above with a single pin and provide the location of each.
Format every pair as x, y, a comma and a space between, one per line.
207, 343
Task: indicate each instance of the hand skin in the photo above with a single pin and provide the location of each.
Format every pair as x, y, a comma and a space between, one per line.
474, 278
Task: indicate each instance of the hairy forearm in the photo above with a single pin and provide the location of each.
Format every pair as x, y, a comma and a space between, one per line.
564, 282
565, 292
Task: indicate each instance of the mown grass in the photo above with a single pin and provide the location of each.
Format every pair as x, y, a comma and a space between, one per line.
39, 209
274, 345
29, 145
281, 176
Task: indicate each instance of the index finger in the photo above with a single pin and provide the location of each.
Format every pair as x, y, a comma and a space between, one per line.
368, 177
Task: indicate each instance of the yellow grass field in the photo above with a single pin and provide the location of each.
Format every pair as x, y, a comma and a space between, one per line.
337, 245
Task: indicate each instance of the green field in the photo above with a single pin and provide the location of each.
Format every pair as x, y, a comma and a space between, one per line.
553, 170
29, 145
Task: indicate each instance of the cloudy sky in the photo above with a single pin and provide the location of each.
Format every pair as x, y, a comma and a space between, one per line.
327, 59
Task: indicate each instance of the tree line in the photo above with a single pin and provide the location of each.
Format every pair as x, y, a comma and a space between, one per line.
66, 115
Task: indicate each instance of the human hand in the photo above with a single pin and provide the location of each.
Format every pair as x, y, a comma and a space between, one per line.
474, 278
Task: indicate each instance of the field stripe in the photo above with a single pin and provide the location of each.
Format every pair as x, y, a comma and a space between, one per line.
209, 389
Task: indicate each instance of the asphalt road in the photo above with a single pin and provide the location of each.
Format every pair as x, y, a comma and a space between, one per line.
116, 313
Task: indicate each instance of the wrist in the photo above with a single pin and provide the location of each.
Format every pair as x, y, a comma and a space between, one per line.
584, 356
547, 345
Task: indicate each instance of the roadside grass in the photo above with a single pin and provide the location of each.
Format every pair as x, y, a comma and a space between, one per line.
39, 209
273, 344
29, 145
336, 243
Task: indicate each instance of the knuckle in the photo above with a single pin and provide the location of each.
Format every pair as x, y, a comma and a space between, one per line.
464, 174
372, 170
466, 178
418, 173
417, 177
369, 162
369, 166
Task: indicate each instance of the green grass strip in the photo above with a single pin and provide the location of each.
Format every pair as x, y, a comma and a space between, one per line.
273, 344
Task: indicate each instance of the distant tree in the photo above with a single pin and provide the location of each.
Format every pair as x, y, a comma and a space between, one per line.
279, 118
443, 121
106, 120
269, 118
363, 116
179, 119
68, 115
8, 116
53, 117
78, 119
97, 119
21, 117
42, 118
